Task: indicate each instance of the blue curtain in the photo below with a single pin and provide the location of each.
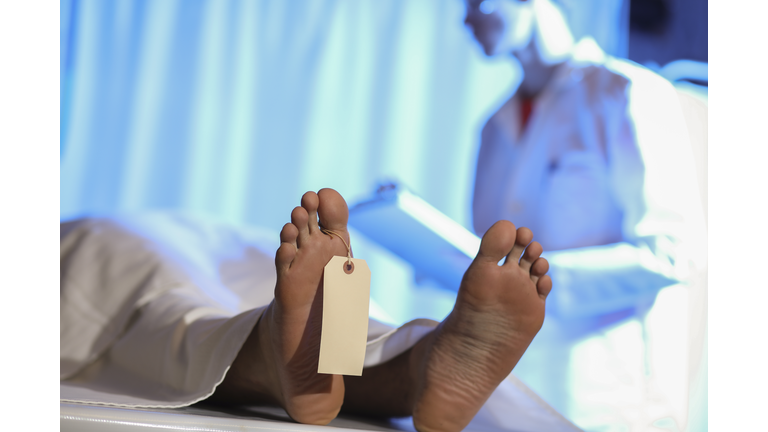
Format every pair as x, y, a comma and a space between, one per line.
236, 108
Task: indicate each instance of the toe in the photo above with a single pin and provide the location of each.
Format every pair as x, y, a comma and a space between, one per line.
310, 202
299, 218
333, 213
544, 286
333, 210
497, 241
539, 268
531, 254
289, 234
524, 236
284, 257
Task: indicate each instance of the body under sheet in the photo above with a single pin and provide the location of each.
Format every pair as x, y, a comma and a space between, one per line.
154, 309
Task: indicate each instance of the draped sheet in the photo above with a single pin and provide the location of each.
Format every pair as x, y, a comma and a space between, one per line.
154, 309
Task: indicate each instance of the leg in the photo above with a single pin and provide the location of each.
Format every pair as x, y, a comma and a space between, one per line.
446, 377
278, 362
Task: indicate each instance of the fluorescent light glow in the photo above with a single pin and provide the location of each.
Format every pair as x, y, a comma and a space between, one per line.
441, 224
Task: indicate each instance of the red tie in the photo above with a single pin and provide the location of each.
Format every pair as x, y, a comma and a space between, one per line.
526, 106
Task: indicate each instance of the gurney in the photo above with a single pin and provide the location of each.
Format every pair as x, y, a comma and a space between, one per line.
82, 418
512, 407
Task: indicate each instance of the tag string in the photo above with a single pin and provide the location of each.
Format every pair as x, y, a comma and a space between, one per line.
349, 250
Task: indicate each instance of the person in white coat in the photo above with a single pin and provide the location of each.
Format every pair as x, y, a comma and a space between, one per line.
592, 153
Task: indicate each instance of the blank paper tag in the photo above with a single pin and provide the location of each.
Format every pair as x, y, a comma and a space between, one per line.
345, 317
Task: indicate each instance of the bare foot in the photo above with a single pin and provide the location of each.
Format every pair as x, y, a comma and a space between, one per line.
278, 362
498, 311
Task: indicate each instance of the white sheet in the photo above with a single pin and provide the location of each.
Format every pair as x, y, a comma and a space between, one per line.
155, 308
512, 407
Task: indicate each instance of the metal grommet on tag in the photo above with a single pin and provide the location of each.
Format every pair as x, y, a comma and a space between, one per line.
349, 267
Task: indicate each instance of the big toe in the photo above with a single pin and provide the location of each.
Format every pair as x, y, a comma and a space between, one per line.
498, 241
332, 210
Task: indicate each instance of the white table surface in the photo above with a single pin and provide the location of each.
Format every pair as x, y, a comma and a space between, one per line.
85, 418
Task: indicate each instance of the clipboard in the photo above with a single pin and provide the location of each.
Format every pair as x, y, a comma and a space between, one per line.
433, 243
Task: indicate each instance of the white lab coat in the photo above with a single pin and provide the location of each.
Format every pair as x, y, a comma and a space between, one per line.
154, 309
604, 177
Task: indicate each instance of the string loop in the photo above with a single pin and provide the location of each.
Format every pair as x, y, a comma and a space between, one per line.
349, 250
